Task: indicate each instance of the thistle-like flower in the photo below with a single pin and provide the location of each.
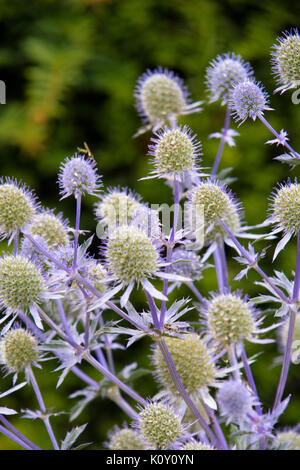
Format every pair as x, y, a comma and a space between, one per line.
51, 227
248, 100
18, 349
236, 402
147, 220
78, 176
159, 425
224, 73
161, 98
286, 61
125, 439
208, 202
97, 274
175, 153
186, 263
196, 445
17, 207
288, 440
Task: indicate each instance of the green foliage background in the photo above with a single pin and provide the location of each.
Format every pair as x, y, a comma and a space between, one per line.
70, 68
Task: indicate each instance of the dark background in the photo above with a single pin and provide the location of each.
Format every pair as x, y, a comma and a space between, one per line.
70, 68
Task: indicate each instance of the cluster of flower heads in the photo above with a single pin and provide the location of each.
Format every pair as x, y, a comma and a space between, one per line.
51, 275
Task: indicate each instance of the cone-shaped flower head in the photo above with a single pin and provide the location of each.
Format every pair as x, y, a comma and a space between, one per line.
286, 60
192, 361
17, 207
229, 319
117, 208
126, 439
21, 283
175, 152
195, 445
51, 228
288, 440
159, 425
130, 254
186, 263
18, 349
223, 73
248, 100
78, 176
285, 208
208, 202
235, 401
97, 273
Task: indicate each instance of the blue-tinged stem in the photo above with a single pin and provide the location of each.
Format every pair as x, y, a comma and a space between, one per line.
63, 319
272, 130
194, 289
290, 336
14, 438
222, 142
108, 348
43, 409
18, 433
16, 242
76, 234
250, 378
217, 428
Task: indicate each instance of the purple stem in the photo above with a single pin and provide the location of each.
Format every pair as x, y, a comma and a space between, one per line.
272, 130
64, 320
108, 348
292, 321
14, 438
194, 289
217, 428
76, 234
222, 141
250, 378
18, 433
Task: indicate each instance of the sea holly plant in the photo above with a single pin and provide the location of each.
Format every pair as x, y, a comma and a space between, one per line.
62, 304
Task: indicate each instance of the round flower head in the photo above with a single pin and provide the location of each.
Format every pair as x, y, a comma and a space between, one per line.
161, 98
17, 207
288, 440
147, 220
195, 445
51, 227
285, 208
286, 61
125, 439
229, 319
21, 283
159, 425
175, 152
223, 73
78, 176
186, 263
18, 349
248, 100
117, 208
192, 361
97, 274
235, 401
131, 255
208, 202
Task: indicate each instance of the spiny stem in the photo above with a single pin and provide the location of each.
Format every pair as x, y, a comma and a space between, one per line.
272, 130
18, 433
76, 234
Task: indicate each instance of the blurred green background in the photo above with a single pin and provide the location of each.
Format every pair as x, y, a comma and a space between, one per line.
70, 68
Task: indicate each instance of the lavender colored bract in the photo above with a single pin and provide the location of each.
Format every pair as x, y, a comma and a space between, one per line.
62, 304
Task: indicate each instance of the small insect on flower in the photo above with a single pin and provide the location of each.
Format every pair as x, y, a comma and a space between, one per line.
51, 227
18, 349
248, 100
223, 73
209, 202
236, 402
125, 439
161, 98
17, 207
159, 425
286, 61
175, 153
78, 176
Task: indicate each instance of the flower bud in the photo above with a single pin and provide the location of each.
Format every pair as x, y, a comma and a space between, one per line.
286, 61
18, 349
78, 176
126, 439
286, 208
51, 228
248, 100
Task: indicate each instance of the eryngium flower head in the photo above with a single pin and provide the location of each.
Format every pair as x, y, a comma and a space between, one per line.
285, 208
192, 361
117, 208
51, 227
186, 263
229, 319
248, 100
147, 220
196, 445
18, 349
175, 152
96, 274
235, 401
159, 425
125, 439
213, 201
131, 255
288, 440
161, 97
286, 60
21, 283
17, 207
78, 176
223, 73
